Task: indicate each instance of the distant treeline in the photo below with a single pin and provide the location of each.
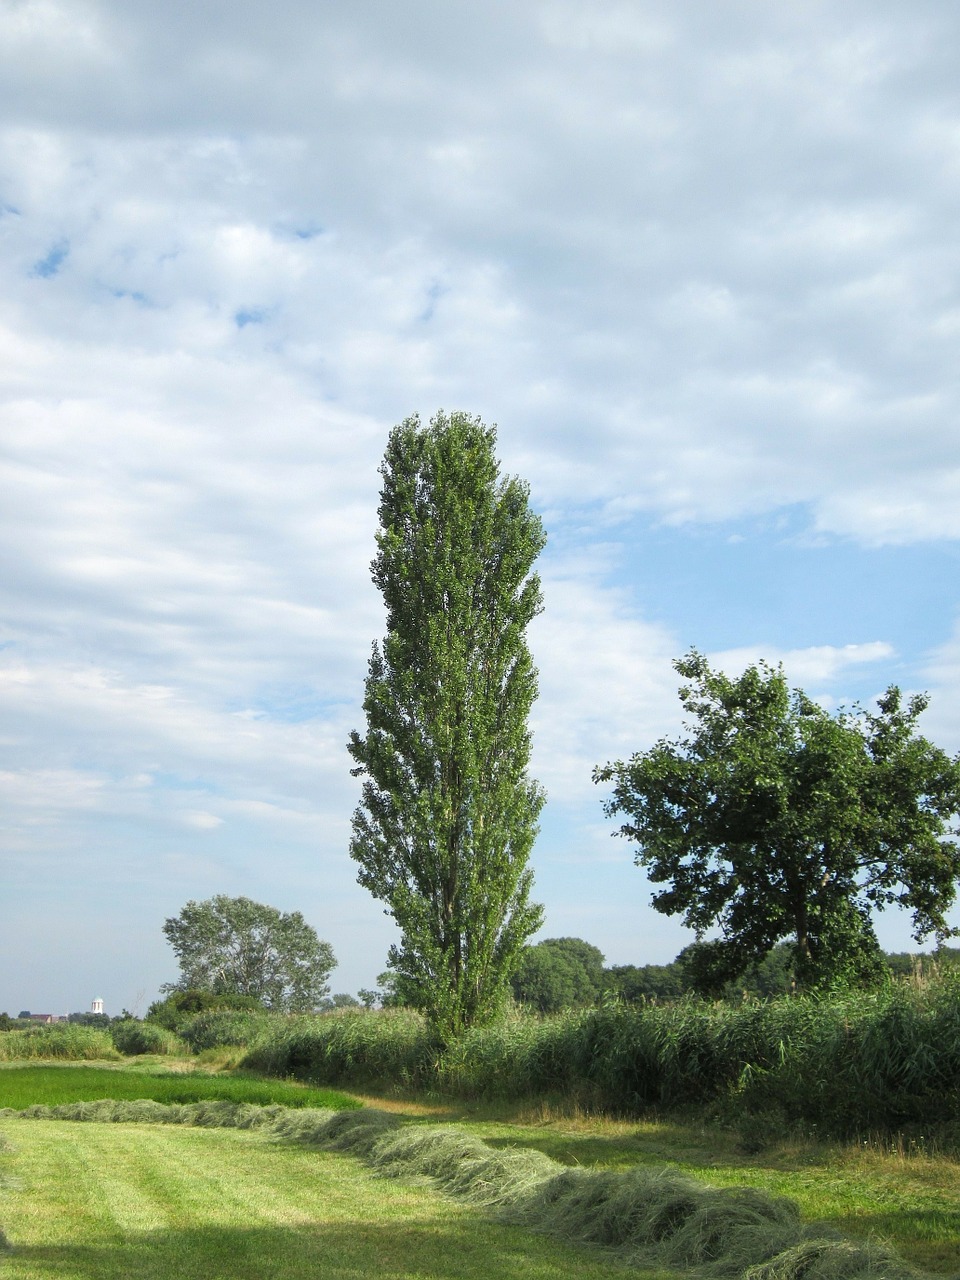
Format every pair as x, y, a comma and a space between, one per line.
568, 973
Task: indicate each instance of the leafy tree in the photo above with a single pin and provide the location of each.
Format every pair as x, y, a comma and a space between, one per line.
448, 813
634, 984
558, 973
341, 1000
86, 1019
239, 947
777, 821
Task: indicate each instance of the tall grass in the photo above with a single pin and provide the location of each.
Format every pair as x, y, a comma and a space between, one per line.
357, 1047
57, 1040
840, 1064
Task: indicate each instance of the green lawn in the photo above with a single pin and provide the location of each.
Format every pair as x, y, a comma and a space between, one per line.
109, 1202
23, 1086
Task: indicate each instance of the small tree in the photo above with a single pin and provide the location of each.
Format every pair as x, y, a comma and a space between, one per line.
237, 946
774, 820
448, 814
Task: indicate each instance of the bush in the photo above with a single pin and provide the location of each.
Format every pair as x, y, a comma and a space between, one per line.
218, 1027
132, 1037
180, 1007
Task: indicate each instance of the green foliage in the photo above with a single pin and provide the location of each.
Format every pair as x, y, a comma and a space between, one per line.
181, 1006
776, 821
448, 813
354, 1047
397, 991
57, 1040
216, 1028
133, 1037
634, 984
239, 947
558, 973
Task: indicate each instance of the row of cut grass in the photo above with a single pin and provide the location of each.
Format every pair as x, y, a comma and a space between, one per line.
53, 1085
652, 1217
104, 1202
910, 1198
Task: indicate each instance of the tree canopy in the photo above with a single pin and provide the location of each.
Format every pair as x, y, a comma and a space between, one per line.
773, 820
558, 973
241, 947
448, 813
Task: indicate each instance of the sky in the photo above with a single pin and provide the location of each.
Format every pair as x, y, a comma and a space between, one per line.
700, 263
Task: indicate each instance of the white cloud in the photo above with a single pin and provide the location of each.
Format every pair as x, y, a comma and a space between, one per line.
607, 687
698, 264
812, 668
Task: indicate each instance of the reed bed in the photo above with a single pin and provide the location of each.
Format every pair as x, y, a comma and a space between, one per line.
838, 1065
68, 1041
357, 1047
218, 1028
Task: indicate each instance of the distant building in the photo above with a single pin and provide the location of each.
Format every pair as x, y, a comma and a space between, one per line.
97, 1006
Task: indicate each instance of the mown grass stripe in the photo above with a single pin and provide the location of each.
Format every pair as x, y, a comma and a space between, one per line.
650, 1217
251, 1209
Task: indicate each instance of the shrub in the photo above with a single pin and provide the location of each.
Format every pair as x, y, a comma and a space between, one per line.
218, 1027
132, 1037
180, 1007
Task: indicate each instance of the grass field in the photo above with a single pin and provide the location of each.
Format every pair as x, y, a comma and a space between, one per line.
24, 1086
107, 1202
95, 1200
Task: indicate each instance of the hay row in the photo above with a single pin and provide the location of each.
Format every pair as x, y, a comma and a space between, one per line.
650, 1217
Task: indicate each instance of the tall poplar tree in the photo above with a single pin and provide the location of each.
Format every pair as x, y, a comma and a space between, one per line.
448, 813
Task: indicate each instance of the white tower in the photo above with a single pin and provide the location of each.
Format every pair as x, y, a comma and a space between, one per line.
97, 1006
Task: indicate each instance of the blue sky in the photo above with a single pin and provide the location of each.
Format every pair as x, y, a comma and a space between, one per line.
699, 263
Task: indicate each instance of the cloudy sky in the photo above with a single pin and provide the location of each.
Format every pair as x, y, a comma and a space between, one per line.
700, 262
